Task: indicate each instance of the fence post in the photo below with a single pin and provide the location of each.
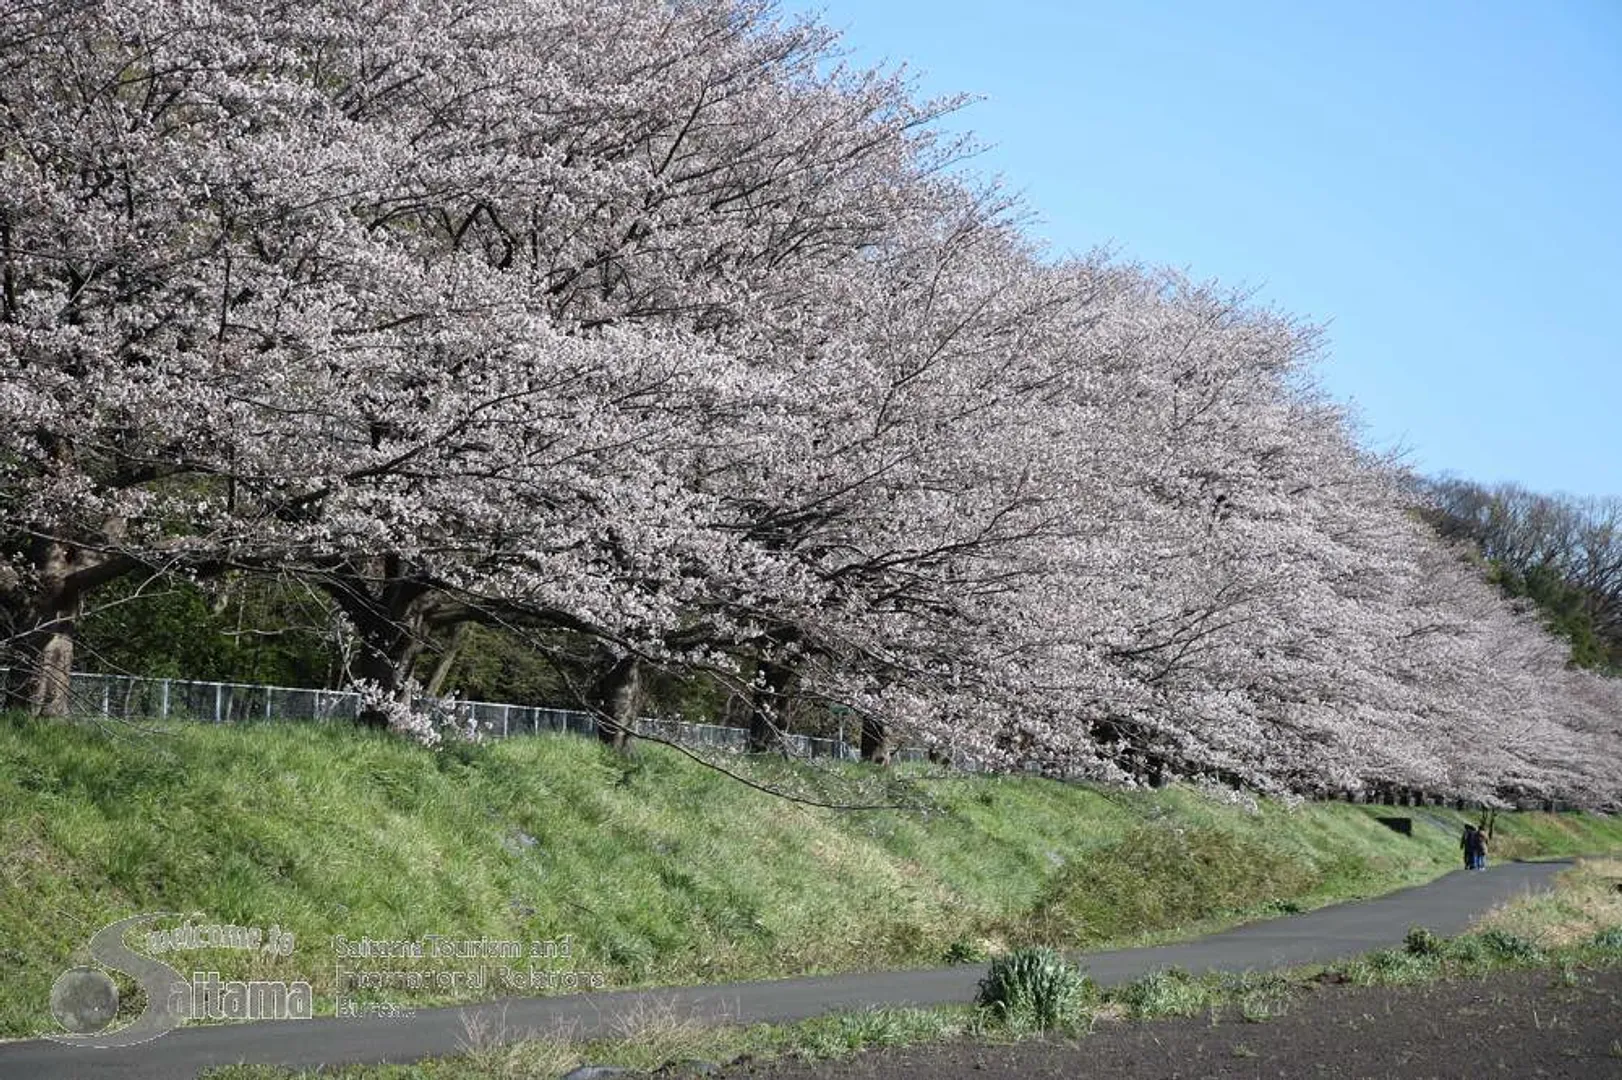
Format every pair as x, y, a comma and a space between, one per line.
506, 719
218, 690
163, 709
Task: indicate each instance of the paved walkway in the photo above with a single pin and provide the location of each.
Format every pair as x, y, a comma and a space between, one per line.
1446, 906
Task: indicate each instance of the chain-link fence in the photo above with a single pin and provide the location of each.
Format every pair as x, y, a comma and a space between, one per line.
190, 699
133, 697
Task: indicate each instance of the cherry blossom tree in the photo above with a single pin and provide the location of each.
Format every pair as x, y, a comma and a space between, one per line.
652, 327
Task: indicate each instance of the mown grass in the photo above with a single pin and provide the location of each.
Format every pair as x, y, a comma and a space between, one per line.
658, 870
1577, 927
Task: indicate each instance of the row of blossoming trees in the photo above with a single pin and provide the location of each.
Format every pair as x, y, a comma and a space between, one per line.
651, 324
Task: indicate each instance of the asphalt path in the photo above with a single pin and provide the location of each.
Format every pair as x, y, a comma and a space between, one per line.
1446, 906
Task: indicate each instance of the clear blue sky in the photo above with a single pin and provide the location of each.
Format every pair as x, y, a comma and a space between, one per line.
1440, 183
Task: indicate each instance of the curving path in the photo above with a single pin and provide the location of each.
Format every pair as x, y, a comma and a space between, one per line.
1446, 906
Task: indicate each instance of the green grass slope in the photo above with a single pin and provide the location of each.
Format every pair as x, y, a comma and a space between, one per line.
656, 869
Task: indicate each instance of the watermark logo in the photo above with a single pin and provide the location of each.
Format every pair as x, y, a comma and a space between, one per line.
84, 999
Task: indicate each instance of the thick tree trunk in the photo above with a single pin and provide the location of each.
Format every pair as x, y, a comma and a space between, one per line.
389, 619
616, 698
39, 679
767, 708
39, 682
377, 665
875, 741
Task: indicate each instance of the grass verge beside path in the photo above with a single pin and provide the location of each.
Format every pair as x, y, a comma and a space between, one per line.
648, 871
1570, 931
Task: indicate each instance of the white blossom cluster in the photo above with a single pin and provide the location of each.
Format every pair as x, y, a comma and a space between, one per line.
651, 323
430, 722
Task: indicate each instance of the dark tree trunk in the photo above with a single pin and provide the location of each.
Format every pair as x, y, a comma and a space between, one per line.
767, 707
389, 616
377, 666
616, 699
1156, 773
875, 741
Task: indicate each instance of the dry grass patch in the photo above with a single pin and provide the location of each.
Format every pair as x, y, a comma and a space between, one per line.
649, 1034
1587, 899
490, 1050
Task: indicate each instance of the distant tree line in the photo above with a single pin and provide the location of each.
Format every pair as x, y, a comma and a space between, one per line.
1563, 554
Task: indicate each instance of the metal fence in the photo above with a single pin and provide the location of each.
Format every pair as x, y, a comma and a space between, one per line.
138, 698
132, 697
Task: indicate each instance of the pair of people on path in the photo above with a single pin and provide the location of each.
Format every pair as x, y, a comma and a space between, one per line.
1474, 844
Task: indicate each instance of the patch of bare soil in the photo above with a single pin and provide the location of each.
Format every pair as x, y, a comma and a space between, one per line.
1519, 1025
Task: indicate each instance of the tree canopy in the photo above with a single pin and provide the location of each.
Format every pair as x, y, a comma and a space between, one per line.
653, 330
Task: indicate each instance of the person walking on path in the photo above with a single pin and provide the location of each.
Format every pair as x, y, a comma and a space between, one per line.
1467, 844
1478, 849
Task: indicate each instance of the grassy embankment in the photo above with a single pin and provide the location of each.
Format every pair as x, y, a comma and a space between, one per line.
658, 870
